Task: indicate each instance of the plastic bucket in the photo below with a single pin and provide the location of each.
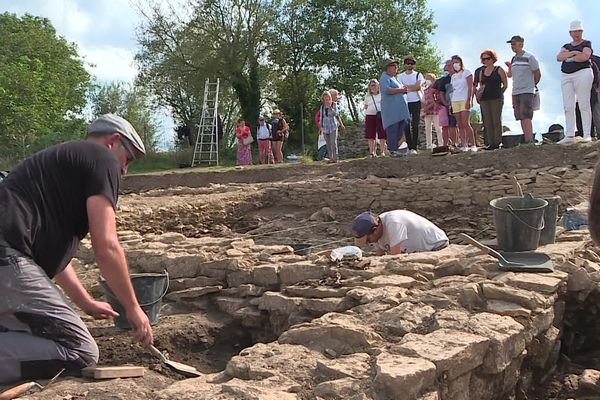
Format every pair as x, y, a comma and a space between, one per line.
149, 290
519, 222
548, 234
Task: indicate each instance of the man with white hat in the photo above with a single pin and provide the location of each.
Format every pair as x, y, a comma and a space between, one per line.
48, 203
397, 231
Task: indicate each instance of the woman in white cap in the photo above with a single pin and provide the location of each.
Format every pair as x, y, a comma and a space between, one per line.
577, 79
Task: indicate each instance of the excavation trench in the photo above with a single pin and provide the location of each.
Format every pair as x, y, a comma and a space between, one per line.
235, 283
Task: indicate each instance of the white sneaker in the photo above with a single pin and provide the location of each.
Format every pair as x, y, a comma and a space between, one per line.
567, 140
412, 152
472, 148
587, 139
461, 149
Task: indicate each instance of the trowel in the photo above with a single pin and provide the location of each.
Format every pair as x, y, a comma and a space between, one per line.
183, 369
23, 388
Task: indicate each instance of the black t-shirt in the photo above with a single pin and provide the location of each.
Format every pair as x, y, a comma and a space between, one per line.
43, 210
574, 66
493, 85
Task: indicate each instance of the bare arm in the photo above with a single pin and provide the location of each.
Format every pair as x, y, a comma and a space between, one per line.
537, 75
113, 265
503, 78
582, 56
72, 286
509, 72
397, 249
470, 88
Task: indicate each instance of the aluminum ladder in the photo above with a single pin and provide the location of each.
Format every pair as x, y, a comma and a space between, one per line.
206, 148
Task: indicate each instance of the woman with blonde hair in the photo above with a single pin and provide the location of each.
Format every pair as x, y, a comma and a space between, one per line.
373, 124
329, 120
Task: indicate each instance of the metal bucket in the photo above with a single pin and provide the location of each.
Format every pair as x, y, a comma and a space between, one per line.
149, 290
519, 222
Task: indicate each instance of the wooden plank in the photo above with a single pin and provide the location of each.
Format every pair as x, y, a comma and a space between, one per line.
125, 371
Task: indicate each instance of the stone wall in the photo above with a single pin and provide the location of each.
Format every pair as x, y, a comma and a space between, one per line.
427, 193
443, 325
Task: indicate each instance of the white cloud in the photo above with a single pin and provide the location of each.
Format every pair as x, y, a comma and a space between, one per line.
110, 63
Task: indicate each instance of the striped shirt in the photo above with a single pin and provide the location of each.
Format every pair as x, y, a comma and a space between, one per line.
523, 67
329, 122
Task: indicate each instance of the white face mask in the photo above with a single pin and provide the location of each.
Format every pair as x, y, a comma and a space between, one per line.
456, 66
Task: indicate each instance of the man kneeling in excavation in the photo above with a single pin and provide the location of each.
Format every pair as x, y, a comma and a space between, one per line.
397, 231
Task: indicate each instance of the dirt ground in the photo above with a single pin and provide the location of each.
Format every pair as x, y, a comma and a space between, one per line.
206, 339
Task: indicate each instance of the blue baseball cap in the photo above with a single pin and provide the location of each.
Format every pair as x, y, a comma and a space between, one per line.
362, 225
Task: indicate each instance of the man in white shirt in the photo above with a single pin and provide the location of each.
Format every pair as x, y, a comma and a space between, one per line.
398, 231
413, 81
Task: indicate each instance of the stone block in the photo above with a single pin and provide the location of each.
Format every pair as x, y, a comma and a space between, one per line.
192, 293
590, 380
536, 282
341, 333
405, 318
522, 297
541, 348
323, 306
400, 377
388, 295
186, 283
266, 275
250, 317
318, 292
230, 304
453, 352
390, 280
340, 389
237, 278
274, 301
290, 274
509, 309
349, 366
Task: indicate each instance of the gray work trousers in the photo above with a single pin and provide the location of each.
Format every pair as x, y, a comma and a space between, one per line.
40, 333
332, 145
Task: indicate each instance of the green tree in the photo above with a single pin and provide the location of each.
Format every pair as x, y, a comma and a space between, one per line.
132, 103
43, 86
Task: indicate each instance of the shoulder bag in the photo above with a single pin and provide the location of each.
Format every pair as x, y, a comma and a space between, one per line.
378, 113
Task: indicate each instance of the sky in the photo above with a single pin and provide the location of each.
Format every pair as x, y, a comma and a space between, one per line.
104, 32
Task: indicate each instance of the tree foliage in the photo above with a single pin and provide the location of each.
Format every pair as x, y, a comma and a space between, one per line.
43, 86
130, 102
292, 48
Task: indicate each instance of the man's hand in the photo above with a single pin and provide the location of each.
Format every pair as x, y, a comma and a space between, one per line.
99, 310
142, 331
508, 64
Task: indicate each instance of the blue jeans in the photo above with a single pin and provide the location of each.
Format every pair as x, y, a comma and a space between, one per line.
394, 134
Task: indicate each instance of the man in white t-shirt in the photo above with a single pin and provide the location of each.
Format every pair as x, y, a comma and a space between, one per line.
413, 81
398, 231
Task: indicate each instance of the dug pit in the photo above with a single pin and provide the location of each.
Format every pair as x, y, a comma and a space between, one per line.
263, 322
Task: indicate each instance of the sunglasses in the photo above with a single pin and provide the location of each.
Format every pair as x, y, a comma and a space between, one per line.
409, 63
485, 58
131, 157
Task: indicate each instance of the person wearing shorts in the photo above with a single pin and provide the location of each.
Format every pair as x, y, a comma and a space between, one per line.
525, 72
373, 124
462, 93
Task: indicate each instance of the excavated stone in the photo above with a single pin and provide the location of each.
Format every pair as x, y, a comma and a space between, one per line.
170, 238
242, 245
349, 366
390, 280
192, 293
274, 249
542, 349
405, 318
388, 294
536, 282
411, 269
322, 306
230, 304
290, 274
186, 283
266, 275
340, 389
319, 292
522, 297
266, 360
275, 301
453, 352
470, 296
240, 277
457, 389
590, 380
505, 308
234, 253
401, 377
342, 333
250, 316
